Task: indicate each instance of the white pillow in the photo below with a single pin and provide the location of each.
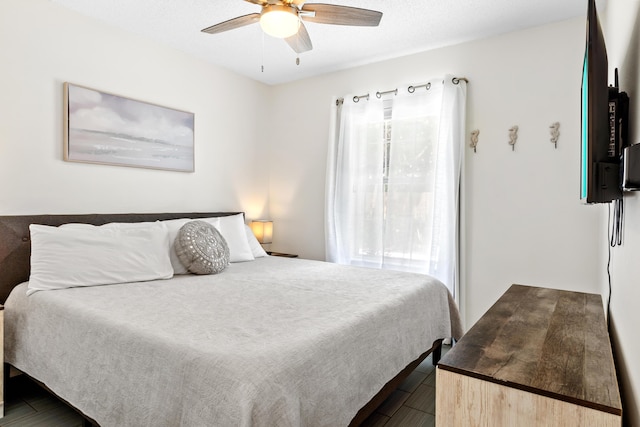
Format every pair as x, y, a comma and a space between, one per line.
174, 225
86, 255
232, 229
256, 248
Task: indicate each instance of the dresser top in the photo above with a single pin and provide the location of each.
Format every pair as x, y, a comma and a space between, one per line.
545, 341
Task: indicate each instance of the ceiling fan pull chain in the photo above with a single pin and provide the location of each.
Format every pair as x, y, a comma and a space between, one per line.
262, 60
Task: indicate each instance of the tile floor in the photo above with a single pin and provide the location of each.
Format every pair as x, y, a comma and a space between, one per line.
413, 404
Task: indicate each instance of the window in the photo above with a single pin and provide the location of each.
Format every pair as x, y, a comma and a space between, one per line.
393, 177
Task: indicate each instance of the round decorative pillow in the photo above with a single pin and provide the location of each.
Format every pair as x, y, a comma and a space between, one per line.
201, 248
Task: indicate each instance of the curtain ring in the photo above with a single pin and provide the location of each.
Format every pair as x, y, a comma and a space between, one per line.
356, 99
412, 89
455, 80
379, 94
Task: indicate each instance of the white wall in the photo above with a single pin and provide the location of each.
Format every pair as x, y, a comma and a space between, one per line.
621, 25
524, 220
44, 45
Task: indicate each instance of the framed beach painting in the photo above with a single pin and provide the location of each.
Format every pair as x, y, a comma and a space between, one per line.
109, 129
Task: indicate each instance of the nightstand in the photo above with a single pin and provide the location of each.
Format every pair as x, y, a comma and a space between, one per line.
282, 254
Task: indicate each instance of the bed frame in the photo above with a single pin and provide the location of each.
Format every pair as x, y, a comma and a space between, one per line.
15, 252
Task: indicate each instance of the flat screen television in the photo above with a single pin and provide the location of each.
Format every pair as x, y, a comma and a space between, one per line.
600, 154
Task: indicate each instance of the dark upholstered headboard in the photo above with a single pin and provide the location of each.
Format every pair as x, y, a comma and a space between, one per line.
15, 245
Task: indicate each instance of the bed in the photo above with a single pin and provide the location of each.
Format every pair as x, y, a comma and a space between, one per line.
270, 342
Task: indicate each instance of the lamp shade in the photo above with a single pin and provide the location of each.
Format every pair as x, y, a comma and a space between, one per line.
263, 230
279, 20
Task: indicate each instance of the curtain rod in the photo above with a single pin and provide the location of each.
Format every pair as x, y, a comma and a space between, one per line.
410, 89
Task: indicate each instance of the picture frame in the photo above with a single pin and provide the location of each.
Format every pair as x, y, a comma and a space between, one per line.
104, 128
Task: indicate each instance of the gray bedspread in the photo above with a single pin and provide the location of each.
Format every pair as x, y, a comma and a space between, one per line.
272, 342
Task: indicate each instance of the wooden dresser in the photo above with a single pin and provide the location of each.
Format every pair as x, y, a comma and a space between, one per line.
538, 357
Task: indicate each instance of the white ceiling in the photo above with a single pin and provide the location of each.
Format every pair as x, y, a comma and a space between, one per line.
407, 26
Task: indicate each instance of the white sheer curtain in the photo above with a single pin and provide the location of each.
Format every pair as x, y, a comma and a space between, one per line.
393, 181
355, 197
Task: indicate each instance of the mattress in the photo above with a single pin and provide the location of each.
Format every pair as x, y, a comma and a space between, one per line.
272, 342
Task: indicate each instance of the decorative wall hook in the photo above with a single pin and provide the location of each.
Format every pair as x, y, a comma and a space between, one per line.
555, 133
474, 139
513, 137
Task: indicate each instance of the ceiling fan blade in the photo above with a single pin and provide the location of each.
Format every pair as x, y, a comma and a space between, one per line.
232, 24
341, 15
300, 42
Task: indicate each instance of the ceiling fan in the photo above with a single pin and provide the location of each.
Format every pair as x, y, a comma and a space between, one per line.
283, 19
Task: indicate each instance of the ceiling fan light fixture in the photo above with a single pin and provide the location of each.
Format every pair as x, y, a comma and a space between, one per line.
279, 21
